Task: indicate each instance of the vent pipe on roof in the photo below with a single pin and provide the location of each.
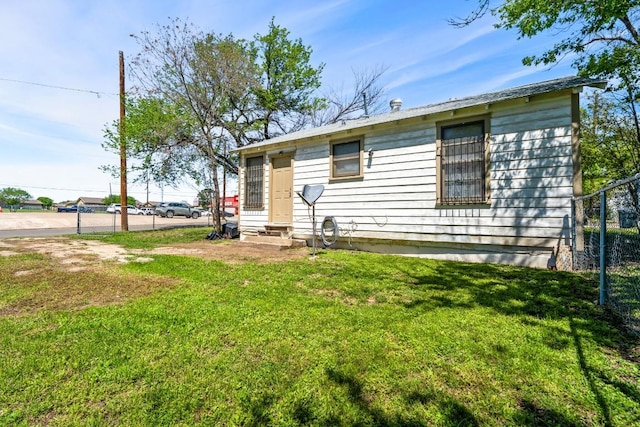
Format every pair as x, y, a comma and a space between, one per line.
395, 104
364, 103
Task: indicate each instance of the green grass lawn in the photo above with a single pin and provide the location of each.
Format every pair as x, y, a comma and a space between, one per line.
345, 339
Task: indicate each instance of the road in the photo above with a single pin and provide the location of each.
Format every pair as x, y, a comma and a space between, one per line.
35, 224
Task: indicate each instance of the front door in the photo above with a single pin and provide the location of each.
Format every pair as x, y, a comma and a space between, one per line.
281, 191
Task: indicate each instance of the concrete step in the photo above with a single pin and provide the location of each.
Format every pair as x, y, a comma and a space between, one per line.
278, 230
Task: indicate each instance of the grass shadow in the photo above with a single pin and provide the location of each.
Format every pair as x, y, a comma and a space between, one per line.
453, 413
535, 415
536, 297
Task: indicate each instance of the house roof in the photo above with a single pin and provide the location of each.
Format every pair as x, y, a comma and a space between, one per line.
91, 200
556, 85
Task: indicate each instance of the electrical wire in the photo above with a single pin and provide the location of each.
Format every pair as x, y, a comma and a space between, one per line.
381, 224
84, 190
95, 92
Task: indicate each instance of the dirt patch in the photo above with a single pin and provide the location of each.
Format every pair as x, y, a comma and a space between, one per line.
99, 284
73, 253
66, 290
232, 251
78, 254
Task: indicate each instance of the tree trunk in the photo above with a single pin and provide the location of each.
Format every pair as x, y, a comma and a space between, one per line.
216, 198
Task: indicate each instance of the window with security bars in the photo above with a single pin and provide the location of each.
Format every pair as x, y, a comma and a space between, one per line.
463, 169
254, 183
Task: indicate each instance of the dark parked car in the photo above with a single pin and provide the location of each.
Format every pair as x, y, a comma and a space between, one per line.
74, 208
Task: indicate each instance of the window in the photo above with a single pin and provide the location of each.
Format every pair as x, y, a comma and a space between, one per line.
254, 182
346, 159
463, 163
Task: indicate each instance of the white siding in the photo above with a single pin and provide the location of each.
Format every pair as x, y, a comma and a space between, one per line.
531, 180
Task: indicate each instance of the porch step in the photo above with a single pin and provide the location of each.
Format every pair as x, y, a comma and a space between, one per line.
276, 230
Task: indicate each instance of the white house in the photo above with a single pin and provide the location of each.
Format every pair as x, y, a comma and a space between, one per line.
487, 178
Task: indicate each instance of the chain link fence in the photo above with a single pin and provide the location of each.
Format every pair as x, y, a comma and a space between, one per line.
607, 243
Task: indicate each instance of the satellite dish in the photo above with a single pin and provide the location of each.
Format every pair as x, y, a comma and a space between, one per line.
311, 193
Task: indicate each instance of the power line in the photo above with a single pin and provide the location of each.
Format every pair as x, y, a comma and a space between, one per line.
95, 92
54, 188
177, 193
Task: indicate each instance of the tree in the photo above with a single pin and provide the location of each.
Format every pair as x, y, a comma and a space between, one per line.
155, 131
232, 91
115, 198
46, 202
13, 197
204, 198
610, 148
199, 95
365, 98
193, 73
602, 35
287, 81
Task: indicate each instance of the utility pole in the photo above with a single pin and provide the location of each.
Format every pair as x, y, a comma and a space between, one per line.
124, 217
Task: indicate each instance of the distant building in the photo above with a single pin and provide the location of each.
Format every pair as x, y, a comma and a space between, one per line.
32, 205
90, 201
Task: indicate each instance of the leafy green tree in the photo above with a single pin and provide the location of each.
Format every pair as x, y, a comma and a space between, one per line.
13, 197
284, 97
46, 202
227, 96
155, 133
205, 197
198, 95
194, 73
610, 148
115, 198
601, 35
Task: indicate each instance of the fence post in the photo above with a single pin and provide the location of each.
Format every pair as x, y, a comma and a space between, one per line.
603, 239
574, 232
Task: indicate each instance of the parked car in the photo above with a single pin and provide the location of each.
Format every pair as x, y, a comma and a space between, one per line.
223, 214
148, 211
116, 208
172, 209
74, 208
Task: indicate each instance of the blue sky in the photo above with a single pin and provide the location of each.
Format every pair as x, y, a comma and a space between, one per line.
50, 137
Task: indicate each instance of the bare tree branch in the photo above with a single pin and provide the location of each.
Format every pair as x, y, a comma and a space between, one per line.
341, 105
477, 13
